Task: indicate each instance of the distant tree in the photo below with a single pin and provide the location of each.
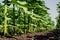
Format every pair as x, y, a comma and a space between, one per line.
58, 17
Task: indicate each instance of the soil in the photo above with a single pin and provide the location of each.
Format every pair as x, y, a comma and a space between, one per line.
49, 35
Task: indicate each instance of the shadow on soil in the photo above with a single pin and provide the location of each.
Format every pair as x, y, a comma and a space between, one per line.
49, 35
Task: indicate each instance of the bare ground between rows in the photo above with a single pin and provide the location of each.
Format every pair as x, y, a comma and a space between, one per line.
49, 35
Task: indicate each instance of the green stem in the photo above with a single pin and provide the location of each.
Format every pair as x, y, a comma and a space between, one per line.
19, 15
14, 14
5, 21
24, 22
29, 21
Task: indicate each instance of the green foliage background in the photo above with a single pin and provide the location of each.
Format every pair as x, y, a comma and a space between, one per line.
58, 17
23, 16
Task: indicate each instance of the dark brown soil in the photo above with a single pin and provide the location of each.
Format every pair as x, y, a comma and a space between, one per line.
49, 35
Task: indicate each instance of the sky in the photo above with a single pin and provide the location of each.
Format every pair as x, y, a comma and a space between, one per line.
52, 5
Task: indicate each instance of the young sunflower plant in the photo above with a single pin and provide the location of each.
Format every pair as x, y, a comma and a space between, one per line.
5, 16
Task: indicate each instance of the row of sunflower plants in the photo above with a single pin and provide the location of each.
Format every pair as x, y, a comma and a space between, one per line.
23, 16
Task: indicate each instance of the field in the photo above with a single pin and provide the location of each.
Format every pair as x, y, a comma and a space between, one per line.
27, 20
48, 35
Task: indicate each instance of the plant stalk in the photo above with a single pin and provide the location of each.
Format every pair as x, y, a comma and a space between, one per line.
5, 21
